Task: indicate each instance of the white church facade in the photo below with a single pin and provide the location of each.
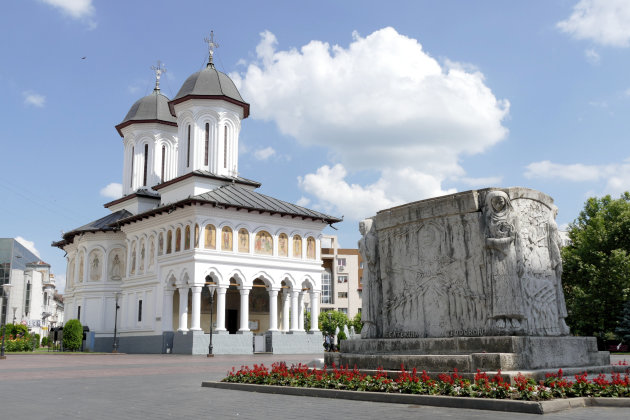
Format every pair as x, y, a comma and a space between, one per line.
191, 240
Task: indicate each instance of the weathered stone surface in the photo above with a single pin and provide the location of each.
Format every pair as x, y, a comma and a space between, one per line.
476, 263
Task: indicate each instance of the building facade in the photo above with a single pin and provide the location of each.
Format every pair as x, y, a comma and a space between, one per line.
32, 299
341, 281
192, 241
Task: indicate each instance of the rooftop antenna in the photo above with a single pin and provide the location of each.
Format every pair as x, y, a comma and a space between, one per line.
159, 69
211, 46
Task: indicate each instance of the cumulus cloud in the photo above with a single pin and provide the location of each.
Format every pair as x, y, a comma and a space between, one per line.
113, 190
30, 245
34, 99
382, 104
616, 176
264, 154
605, 22
303, 201
76, 9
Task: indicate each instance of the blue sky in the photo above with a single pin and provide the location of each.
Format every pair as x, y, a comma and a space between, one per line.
355, 106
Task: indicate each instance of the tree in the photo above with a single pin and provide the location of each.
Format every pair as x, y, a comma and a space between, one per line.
357, 323
72, 335
328, 324
596, 276
623, 329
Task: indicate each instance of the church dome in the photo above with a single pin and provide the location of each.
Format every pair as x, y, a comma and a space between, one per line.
150, 109
209, 83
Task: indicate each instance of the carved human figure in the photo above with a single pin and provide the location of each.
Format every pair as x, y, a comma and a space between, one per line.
556, 264
116, 269
95, 268
501, 241
372, 298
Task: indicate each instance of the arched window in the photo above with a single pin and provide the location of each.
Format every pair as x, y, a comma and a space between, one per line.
310, 248
131, 174
146, 164
169, 241
178, 240
210, 240
163, 163
243, 240
188, 149
326, 287
297, 246
187, 238
283, 245
263, 243
225, 145
226, 239
196, 235
205, 158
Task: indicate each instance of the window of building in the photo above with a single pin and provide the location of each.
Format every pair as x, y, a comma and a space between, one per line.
188, 148
343, 310
207, 142
341, 262
79, 313
326, 287
342, 279
361, 265
131, 173
146, 164
163, 163
5, 270
342, 295
225, 146
27, 300
140, 310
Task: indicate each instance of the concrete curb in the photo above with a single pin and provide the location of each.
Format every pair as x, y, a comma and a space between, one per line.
515, 406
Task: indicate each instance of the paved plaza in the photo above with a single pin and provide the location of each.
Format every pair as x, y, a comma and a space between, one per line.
61, 386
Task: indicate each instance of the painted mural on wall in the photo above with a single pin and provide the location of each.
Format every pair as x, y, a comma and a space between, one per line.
283, 245
243, 240
226, 239
471, 264
263, 243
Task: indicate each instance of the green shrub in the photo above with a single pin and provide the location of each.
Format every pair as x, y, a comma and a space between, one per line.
72, 335
45, 342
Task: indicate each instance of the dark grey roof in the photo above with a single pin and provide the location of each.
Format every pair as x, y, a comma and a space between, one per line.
209, 82
151, 108
234, 196
101, 225
238, 179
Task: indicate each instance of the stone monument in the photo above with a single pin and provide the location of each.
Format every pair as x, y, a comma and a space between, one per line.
469, 280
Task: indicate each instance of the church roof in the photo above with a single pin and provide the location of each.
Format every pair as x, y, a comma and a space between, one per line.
209, 83
237, 197
150, 109
103, 224
206, 174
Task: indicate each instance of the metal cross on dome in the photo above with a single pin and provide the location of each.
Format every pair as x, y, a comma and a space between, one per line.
159, 69
211, 46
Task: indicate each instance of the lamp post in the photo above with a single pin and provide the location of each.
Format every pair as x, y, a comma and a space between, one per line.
6, 288
210, 354
115, 344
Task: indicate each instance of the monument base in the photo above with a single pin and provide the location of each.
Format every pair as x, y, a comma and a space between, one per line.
467, 354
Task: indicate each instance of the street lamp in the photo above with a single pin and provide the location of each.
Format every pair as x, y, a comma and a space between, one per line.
209, 282
115, 344
6, 288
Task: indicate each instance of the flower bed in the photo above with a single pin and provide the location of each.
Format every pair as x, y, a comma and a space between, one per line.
555, 385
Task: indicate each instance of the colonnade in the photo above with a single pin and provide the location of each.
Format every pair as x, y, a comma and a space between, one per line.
293, 304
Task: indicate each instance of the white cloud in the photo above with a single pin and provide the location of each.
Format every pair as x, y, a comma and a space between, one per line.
35, 99
113, 190
606, 22
76, 9
30, 245
303, 201
592, 56
380, 104
264, 154
482, 182
616, 176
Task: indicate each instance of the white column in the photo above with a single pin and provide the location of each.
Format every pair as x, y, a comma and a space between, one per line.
273, 310
301, 311
183, 309
314, 311
221, 308
294, 310
244, 310
195, 321
285, 309
167, 311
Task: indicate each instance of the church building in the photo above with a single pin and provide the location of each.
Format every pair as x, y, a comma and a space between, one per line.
192, 247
